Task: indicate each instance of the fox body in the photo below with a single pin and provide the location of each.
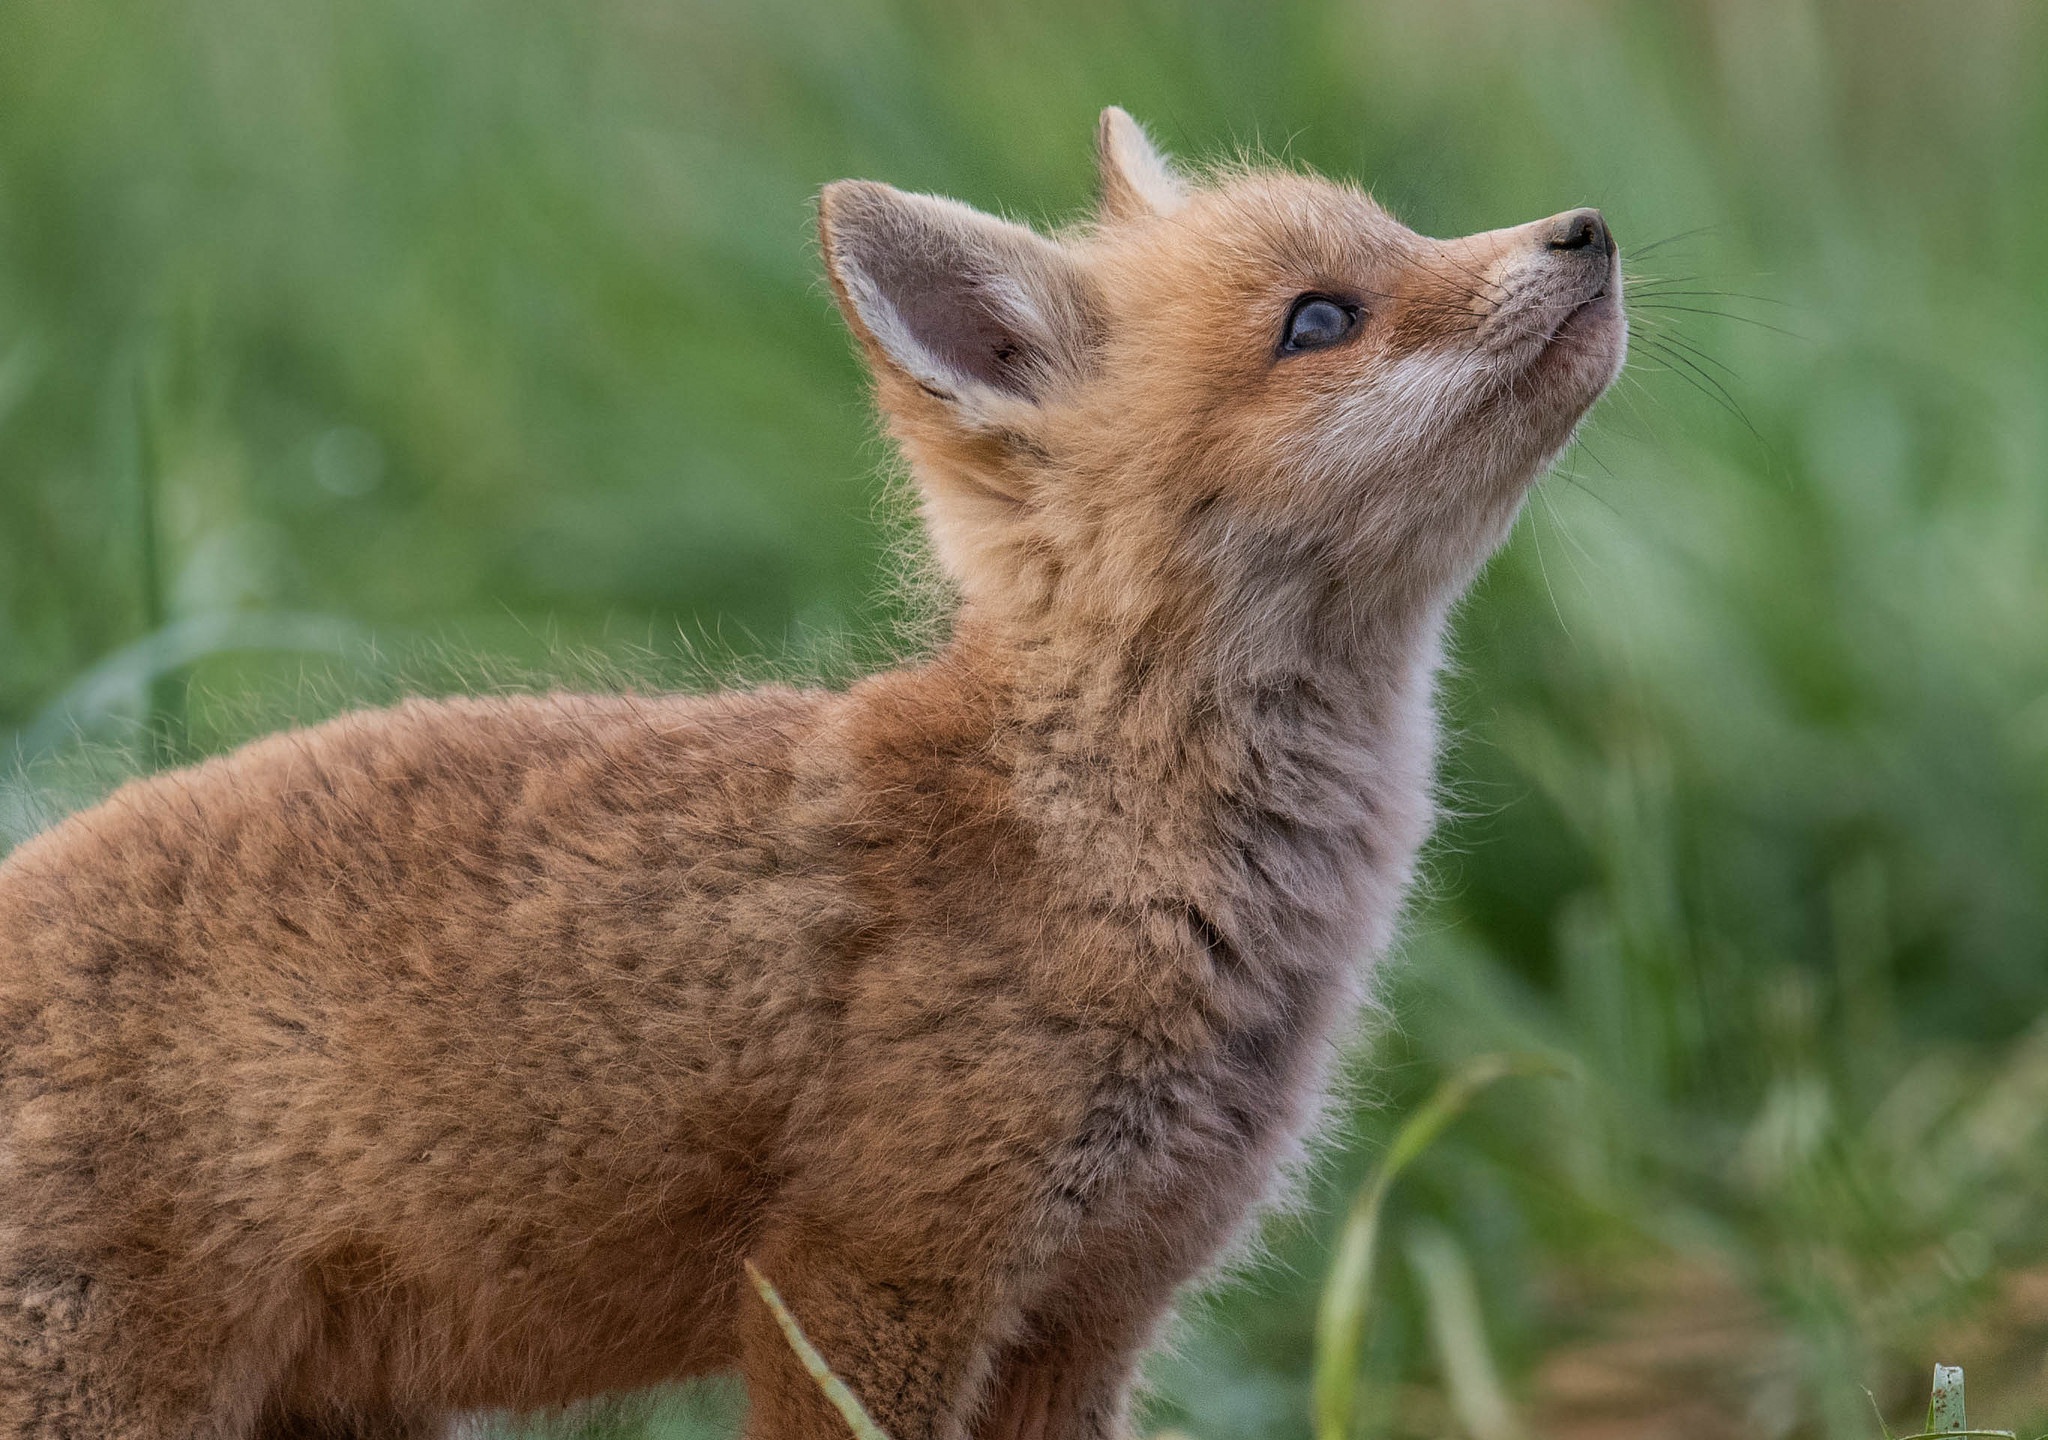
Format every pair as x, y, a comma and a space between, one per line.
455, 1057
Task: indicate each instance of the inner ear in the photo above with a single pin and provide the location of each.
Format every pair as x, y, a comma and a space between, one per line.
974, 309
959, 313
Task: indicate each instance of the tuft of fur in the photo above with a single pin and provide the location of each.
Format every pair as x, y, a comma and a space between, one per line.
452, 1057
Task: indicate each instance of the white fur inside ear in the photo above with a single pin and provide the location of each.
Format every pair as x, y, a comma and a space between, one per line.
1136, 179
975, 403
977, 311
893, 333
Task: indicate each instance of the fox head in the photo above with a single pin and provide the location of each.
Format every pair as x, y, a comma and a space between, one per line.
1248, 404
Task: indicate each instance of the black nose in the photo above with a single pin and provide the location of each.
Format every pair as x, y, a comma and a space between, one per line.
1581, 230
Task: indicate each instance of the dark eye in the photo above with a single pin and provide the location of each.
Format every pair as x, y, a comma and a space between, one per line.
1315, 321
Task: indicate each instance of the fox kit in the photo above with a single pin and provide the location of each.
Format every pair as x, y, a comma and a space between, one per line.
455, 1057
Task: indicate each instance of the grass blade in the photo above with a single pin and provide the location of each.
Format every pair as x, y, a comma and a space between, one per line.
1457, 1325
843, 1400
1341, 1316
1945, 1414
1945, 1403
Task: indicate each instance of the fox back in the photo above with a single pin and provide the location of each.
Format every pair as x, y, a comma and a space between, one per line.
456, 1057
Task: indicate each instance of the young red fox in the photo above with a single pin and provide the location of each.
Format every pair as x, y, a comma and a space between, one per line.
455, 1057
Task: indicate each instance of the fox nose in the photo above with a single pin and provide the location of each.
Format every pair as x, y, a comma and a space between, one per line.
1580, 230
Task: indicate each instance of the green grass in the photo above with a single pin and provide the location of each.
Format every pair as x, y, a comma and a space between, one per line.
1481, 1407
346, 350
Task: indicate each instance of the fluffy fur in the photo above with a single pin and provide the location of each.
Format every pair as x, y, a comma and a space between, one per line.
454, 1056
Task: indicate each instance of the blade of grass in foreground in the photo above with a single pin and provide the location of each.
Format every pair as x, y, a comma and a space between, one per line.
1456, 1323
843, 1400
1945, 1414
1340, 1318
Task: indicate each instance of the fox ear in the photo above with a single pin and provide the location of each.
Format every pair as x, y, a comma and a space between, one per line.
976, 312
1135, 179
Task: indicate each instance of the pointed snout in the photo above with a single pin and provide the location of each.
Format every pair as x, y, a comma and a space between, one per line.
1584, 229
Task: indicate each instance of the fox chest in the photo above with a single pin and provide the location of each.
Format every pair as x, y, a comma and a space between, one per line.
1183, 1137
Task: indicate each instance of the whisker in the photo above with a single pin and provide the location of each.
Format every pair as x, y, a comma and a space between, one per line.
1588, 491
1579, 443
1655, 288
1634, 274
1433, 265
1466, 269
1681, 235
1543, 566
1428, 304
1647, 277
1636, 390
1706, 383
1572, 542
1654, 304
1700, 353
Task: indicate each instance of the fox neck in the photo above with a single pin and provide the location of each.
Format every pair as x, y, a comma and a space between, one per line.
1267, 760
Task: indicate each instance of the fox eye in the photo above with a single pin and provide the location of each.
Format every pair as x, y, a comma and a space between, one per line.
1316, 321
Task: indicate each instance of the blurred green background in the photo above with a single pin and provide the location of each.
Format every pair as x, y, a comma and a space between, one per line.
349, 349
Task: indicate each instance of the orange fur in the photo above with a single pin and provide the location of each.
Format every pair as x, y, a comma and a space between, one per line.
453, 1056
